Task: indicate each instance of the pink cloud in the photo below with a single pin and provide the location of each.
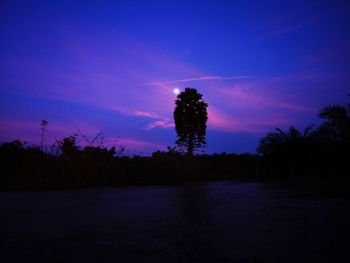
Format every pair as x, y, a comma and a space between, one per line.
161, 124
146, 114
219, 121
137, 113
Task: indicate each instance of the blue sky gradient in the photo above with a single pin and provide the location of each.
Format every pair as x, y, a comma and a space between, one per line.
111, 67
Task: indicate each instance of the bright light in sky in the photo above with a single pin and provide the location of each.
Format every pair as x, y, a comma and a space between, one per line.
176, 91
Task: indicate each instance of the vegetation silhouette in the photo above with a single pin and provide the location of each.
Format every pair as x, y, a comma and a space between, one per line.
190, 117
336, 127
318, 154
316, 157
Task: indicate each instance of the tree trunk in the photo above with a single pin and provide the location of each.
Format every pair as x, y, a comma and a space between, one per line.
190, 146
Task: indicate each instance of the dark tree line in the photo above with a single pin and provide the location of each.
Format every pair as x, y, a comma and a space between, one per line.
319, 155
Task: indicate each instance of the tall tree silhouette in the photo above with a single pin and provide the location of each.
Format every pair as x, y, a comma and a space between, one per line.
190, 116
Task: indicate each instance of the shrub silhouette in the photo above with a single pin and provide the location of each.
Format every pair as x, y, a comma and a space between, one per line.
68, 146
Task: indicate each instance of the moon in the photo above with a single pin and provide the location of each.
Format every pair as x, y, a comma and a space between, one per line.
176, 91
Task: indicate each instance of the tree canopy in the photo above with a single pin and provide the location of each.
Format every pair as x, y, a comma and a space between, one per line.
190, 116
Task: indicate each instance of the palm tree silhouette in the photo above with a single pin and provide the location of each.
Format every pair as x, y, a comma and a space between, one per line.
281, 141
337, 122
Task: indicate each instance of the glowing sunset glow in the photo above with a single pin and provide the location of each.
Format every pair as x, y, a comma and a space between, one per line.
117, 67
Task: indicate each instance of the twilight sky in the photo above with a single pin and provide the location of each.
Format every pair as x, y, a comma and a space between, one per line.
111, 67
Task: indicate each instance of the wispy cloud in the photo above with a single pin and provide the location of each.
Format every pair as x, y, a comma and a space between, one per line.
159, 121
201, 78
286, 30
283, 25
220, 121
137, 113
262, 95
161, 124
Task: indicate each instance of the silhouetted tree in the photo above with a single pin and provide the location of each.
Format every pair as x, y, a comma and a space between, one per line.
68, 145
190, 118
337, 123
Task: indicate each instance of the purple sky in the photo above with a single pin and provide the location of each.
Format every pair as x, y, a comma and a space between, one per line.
111, 67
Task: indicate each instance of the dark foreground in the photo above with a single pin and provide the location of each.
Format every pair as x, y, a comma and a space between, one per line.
208, 222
